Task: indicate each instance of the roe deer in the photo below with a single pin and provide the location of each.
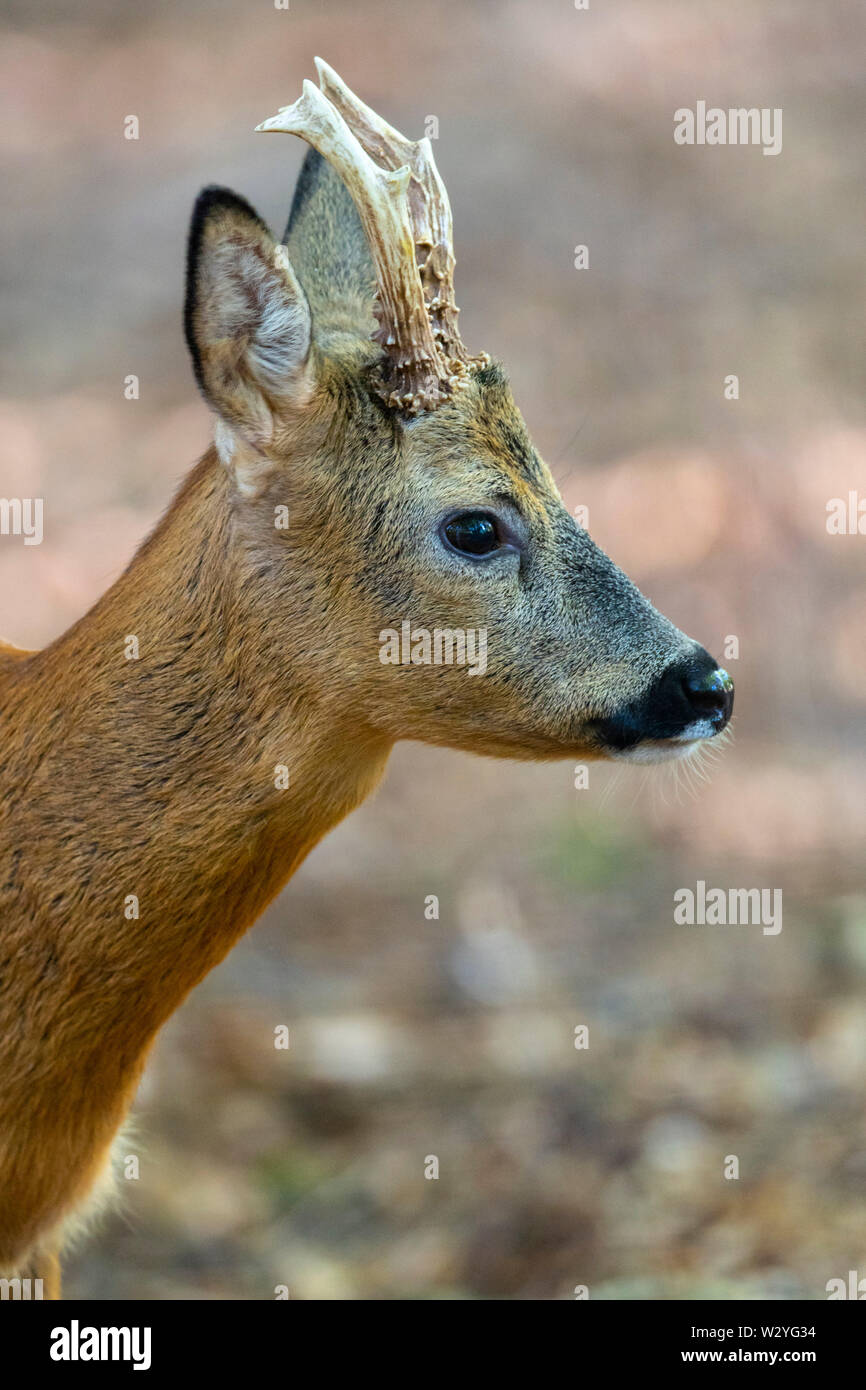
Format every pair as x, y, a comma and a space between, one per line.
262, 706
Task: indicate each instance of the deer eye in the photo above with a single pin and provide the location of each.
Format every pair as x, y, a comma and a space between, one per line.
473, 533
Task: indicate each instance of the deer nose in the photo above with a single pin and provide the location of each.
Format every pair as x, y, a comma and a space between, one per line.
709, 693
692, 695
692, 699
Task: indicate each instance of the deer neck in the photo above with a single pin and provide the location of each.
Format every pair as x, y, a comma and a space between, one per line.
169, 801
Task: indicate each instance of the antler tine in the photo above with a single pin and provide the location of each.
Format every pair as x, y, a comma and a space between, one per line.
419, 378
381, 141
429, 206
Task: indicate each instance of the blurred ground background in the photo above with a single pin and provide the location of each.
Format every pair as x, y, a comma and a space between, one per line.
454, 1037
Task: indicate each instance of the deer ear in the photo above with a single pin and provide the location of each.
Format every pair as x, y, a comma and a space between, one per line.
247, 319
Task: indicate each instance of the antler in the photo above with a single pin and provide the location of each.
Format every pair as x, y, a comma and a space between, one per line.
404, 210
429, 207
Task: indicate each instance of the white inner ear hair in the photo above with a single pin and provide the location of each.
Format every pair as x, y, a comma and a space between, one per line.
280, 348
249, 468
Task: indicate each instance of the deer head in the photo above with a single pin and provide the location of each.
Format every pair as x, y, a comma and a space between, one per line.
384, 488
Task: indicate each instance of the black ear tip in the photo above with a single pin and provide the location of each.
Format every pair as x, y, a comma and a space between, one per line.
215, 199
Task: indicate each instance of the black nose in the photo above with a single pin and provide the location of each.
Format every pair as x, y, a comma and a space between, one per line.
693, 698
710, 694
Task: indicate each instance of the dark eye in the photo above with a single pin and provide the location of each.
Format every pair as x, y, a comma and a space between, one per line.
473, 533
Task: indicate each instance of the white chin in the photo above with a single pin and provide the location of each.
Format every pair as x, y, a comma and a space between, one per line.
665, 750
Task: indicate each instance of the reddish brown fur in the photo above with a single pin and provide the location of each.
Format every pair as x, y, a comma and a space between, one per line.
152, 777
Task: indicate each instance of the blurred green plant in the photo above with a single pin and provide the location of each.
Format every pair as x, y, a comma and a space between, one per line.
289, 1175
595, 854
